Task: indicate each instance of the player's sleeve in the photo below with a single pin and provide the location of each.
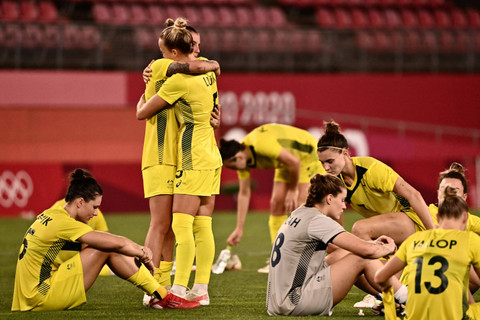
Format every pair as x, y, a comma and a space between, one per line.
159, 71
381, 177
174, 88
243, 174
324, 229
71, 229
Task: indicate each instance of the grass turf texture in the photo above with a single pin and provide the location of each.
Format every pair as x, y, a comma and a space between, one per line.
233, 294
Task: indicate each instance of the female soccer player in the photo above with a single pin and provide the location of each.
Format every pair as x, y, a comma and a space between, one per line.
437, 263
198, 164
159, 161
391, 205
54, 271
302, 280
291, 152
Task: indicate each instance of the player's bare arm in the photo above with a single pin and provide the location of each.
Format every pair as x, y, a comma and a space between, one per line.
415, 199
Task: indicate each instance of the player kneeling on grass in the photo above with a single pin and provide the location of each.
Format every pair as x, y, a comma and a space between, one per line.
437, 264
54, 271
301, 281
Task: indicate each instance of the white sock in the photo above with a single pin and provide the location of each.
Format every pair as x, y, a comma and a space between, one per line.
200, 287
401, 294
178, 290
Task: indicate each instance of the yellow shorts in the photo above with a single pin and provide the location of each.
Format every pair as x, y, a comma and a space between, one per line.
158, 180
198, 182
66, 287
416, 220
307, 171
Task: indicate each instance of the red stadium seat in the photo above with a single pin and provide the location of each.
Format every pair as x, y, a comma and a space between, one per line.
360, 18
260, 17
10, 11
365, 40
120, 14
277, 17
243, 16
32, 36
102, 13
209, 15
426, 19
473, 16
156, 15
393, 19
442, 19
458, 18
139, 15
377, 18
343, 18
28, 11
48, 12
325, 18
409, 19
90, 37
51, 38
226, 17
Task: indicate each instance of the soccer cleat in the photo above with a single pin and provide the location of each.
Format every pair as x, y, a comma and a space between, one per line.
264, 269
146, 300
379, 309
200, 297
368, 302
234, 263
172, 301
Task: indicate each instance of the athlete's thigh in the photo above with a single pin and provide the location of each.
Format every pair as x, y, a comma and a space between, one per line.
184, 203
396, 225
207, 204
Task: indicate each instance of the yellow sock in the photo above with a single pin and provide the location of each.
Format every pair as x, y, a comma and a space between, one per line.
205, 248
145, 281
165, 269
389, 304
182, 225
157, 274
274, 223
105, 271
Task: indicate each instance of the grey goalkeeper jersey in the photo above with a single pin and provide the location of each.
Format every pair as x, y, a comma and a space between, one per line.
297, 255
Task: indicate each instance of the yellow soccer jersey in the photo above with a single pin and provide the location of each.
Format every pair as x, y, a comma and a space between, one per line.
97, 223
266, 142
371, 192
438, 265
194, 97
473, 222
50, 241
161, 130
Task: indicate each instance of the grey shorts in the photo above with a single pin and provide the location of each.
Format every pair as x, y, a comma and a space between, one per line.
316, 296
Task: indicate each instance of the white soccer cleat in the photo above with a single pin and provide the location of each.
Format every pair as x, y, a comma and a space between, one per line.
367, 303
234, 263
200, 297
264, 269
146, 300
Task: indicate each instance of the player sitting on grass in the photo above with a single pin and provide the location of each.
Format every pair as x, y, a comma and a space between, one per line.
437, 263
301, 280
54, 271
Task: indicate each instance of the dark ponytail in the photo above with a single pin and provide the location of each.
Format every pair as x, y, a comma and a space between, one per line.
321, 186
82, 185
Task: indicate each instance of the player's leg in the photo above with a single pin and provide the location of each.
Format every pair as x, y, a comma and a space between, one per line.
205, 250
277, 208
185, 208
396, 225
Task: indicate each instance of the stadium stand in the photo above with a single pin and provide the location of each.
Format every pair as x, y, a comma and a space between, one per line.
432, 31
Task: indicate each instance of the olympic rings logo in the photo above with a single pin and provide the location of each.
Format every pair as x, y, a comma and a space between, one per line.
15, 188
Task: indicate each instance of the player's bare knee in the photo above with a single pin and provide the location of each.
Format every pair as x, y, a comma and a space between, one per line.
361, 230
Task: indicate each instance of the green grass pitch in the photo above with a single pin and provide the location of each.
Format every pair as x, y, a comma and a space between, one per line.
233, 294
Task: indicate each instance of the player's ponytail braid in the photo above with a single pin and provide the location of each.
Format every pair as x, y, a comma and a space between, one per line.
321, 186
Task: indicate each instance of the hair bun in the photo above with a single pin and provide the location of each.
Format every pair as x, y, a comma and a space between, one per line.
455, 166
